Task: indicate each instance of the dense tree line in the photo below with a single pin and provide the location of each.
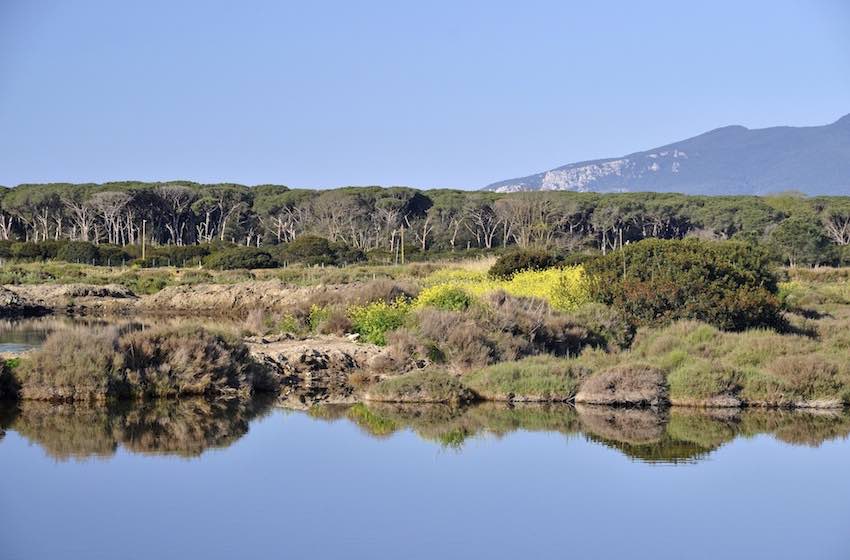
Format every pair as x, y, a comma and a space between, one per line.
801, 230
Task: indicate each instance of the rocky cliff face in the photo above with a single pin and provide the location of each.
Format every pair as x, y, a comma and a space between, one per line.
730, 160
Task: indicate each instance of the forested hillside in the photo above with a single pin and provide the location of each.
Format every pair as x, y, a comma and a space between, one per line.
373, 220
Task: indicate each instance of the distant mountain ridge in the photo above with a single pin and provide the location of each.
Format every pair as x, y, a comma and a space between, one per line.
728, 160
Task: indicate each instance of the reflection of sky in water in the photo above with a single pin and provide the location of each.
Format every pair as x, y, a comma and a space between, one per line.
297, 486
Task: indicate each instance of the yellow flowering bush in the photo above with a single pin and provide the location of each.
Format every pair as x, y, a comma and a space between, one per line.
374, 320
564, 288
444, 296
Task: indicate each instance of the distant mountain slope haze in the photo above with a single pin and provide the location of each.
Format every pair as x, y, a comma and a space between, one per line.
728, 160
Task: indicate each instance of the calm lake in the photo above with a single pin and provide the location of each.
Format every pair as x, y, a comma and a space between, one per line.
193, 479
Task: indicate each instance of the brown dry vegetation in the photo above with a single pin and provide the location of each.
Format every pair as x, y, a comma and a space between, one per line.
85, 364
505, 328
625, 385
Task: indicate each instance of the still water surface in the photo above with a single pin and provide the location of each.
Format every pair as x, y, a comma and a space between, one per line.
193, 479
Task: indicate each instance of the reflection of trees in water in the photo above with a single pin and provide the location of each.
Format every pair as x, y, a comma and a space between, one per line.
672, 435
184, 427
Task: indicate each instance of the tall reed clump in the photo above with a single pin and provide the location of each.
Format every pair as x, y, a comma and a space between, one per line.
84, 364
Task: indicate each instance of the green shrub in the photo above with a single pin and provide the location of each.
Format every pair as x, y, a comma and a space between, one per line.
112, 255
538, 378
317, 316
313, 250
374, 320
528, 259
697, 380
6, 248
608, 327
241, 257
653, 282
425, 386
78, 252
145, 284
8, 383
28, 250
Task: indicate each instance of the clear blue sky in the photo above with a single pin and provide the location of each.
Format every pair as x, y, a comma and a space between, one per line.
428, 94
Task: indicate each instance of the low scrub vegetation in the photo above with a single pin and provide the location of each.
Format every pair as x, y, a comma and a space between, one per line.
106, 364
707, 366
517, 261
426, 386
502, 328
625, 385
241, 257
654, 282
537, 378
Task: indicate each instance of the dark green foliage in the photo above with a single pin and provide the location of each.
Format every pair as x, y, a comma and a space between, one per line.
653, 282
112, 255
8, 383
183, 222
241, 257
28, 250
608, 328
313, 250
528, 259
801, 241
183, 255
6, 248
78, 252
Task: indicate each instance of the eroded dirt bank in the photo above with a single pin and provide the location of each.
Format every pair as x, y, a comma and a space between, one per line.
203, 299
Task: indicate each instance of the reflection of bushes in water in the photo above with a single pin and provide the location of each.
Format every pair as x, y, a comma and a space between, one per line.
652, 435
683, 434
328, 412
373, 423
183, 427
451, 426
798, 427
500, 419
707, 428
68, 431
